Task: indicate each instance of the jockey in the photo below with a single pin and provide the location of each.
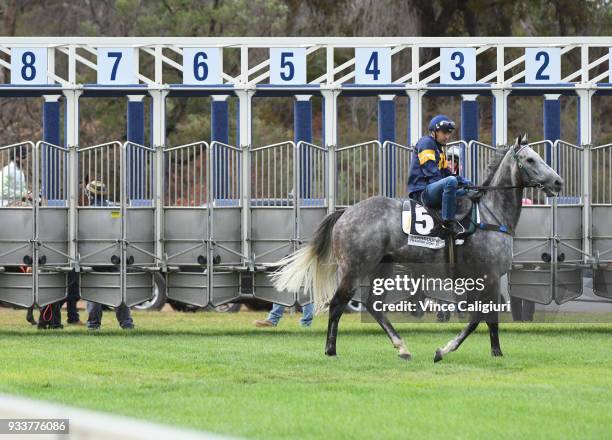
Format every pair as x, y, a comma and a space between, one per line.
431, 179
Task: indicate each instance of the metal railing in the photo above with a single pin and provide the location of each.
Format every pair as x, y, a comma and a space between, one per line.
358, 172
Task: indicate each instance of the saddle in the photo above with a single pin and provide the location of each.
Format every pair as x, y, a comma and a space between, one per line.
423, 224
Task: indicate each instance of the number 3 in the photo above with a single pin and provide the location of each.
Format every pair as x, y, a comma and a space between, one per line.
459, 65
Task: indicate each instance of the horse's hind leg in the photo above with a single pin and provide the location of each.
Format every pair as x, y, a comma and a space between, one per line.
336, 307
382, 320
454, 343
494, 334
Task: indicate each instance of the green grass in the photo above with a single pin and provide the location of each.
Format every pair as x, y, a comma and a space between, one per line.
217, 373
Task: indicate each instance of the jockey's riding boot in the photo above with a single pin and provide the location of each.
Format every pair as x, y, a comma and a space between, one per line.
451, 228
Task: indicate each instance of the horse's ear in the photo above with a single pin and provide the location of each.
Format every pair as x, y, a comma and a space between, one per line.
517, 141
524, 140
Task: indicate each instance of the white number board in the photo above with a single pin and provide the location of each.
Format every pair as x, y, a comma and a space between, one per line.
29, 65
610, 66
288, 66
542, 65
457, 66
202, 65
117, 66
372, 65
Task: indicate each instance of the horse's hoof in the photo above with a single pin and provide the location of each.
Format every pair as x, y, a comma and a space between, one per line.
496, 352
438, 356
330, 353
405, 356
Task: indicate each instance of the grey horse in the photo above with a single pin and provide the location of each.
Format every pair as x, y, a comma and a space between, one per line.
351, 244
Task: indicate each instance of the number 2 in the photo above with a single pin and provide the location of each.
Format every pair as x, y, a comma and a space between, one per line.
540, 73
459, 65
117, 56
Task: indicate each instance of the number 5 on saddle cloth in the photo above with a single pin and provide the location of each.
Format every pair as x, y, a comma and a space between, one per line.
423, 225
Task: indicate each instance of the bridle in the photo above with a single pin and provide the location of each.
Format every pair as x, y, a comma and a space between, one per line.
527, 178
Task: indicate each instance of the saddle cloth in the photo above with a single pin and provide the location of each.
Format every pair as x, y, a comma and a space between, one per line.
422, 224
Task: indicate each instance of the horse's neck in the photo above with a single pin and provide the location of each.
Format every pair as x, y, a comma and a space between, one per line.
504, 204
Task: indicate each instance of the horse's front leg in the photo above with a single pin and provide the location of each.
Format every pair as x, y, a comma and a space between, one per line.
454, 343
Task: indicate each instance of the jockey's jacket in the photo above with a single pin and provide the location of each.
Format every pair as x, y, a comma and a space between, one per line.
428, 165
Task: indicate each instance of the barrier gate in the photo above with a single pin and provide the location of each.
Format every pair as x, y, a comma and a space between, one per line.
601, 213
215, 219
34, 237
116, 225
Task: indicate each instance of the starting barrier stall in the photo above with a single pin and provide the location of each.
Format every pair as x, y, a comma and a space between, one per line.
116, 223
34, 246
215, 218
601, 213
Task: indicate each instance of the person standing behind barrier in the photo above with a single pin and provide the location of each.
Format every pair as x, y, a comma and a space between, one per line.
277, 313
15, 190
95, 191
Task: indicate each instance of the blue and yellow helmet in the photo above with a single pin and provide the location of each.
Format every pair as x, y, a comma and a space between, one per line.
441, 122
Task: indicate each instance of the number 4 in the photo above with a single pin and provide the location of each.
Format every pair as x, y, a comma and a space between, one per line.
372, 66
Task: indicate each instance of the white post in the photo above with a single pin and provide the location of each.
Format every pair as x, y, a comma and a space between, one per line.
159, 142
584, 97
416, 115
72, 142
501, 117
330, 141
244, 102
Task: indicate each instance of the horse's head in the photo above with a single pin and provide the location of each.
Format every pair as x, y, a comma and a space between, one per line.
533, 170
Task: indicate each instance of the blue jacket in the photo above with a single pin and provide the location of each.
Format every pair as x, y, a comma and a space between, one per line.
428, 165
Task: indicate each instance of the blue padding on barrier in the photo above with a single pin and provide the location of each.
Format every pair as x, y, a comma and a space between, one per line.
544, 86
203, 87
312, 202
569, 200
375, 86
461, 86
57, 203
227, 202
31, 86
282, 86
271, 202
115, 86
140, 203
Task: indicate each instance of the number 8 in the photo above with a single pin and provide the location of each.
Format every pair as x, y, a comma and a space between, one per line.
28, 65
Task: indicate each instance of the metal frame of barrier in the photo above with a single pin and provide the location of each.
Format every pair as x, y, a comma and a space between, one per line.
290, 183
599, 220
349, 163
113, 233
36, 219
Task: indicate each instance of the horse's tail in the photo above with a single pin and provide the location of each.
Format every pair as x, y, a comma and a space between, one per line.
312, 267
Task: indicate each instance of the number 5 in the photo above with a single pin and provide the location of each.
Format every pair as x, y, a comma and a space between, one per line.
287, 64
423, 223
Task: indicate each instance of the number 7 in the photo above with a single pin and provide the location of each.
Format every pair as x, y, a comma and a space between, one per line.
117, 56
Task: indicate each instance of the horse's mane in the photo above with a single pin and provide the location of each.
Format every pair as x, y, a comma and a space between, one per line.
493, 165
